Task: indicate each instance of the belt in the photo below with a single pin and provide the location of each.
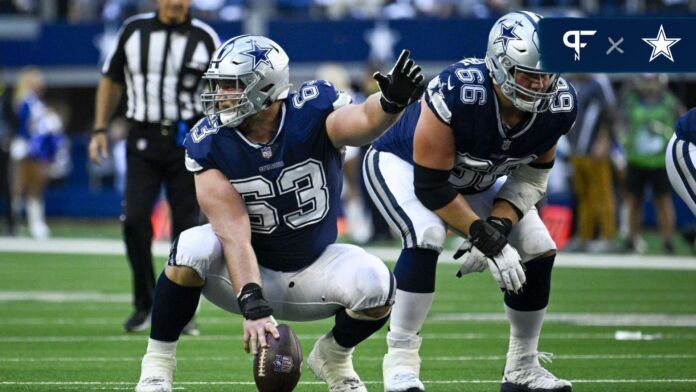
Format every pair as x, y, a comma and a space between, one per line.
165, 127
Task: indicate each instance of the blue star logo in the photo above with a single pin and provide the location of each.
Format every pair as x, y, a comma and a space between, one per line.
507, 34
259, 54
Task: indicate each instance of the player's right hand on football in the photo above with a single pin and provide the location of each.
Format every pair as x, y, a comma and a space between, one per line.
402, 85
255, 333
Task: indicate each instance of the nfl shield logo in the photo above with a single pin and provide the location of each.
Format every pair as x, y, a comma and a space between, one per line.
282, 364
266, 152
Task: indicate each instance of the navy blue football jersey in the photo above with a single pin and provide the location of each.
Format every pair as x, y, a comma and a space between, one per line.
291, 185
686, 126
462, 96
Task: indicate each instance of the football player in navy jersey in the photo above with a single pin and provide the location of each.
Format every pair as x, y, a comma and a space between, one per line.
681, 159
268, 176
480, 120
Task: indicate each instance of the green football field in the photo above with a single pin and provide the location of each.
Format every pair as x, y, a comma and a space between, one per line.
61, 315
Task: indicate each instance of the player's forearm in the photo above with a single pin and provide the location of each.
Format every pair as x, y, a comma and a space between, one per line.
241, 264
365, 122
108, 97
458, 215
504, 209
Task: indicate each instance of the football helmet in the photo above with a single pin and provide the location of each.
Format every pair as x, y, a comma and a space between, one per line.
513, 46
247, 74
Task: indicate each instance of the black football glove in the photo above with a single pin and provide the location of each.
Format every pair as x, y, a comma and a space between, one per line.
402, 85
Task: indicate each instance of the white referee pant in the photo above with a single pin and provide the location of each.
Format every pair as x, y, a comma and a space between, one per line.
680, 158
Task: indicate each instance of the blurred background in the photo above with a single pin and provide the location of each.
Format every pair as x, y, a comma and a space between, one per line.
53, 49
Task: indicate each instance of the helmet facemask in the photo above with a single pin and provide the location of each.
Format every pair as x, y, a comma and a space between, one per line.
526, 99
226, 101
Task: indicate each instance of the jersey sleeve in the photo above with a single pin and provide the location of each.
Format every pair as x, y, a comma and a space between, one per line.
440, 97
566, 103
199, 143
314, 101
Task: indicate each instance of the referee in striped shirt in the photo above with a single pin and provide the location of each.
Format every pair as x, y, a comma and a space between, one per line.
159, 59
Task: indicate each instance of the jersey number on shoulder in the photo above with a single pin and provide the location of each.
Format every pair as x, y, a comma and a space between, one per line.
564, 99
305, 179
472, 91
307, 93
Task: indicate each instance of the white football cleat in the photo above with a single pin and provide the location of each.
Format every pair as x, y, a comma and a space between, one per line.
401, 366
157, 373
529, 376
333, 364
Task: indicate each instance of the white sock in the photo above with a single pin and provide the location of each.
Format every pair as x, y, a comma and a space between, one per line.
409, 311
160, 347
525, 328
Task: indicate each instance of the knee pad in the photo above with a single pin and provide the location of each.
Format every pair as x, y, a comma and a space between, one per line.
196, 248
375, 287
535, 294
531, 244
432, 237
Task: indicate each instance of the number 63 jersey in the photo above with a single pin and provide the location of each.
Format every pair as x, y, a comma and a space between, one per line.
291, 185
463, 97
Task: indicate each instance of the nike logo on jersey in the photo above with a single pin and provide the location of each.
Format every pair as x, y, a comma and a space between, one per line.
449, 84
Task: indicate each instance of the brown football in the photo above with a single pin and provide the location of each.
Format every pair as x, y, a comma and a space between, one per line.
278, 367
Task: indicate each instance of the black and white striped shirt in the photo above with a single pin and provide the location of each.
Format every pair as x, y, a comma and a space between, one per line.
161, 66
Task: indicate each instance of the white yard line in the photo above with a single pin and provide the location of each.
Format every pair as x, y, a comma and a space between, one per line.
496, 381
464, 358
51, 339
161, 249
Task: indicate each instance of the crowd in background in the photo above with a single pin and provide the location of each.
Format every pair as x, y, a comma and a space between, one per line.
114, 11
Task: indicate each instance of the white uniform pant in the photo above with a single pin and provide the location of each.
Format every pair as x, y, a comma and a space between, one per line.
344, 276
389, 181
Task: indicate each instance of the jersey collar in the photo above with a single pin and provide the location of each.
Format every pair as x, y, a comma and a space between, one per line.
261, 145
501, 126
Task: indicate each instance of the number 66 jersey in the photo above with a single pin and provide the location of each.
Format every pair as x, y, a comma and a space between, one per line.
291, 185
463, 97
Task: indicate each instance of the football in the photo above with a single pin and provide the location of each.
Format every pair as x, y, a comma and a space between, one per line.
278, 367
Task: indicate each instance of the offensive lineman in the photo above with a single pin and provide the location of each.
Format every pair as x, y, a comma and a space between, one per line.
680, 158
479, 120
268, 170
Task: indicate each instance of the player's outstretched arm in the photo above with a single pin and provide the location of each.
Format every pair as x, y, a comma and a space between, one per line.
357, 125
228, 216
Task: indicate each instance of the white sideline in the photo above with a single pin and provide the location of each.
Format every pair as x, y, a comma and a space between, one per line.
161, 249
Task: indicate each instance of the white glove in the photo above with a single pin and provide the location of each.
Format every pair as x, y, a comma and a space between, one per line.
506, 267
474, 260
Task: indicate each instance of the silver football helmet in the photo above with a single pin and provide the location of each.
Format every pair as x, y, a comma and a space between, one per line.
247, 74
513, 47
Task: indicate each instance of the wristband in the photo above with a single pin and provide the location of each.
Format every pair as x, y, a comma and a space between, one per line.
252, 304
389, 106
97, 131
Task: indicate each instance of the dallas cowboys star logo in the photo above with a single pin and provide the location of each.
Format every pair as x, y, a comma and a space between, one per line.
661, 45
507, 33
259, 54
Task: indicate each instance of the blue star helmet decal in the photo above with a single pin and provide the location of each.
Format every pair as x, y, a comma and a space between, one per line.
259, 54
507, 33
